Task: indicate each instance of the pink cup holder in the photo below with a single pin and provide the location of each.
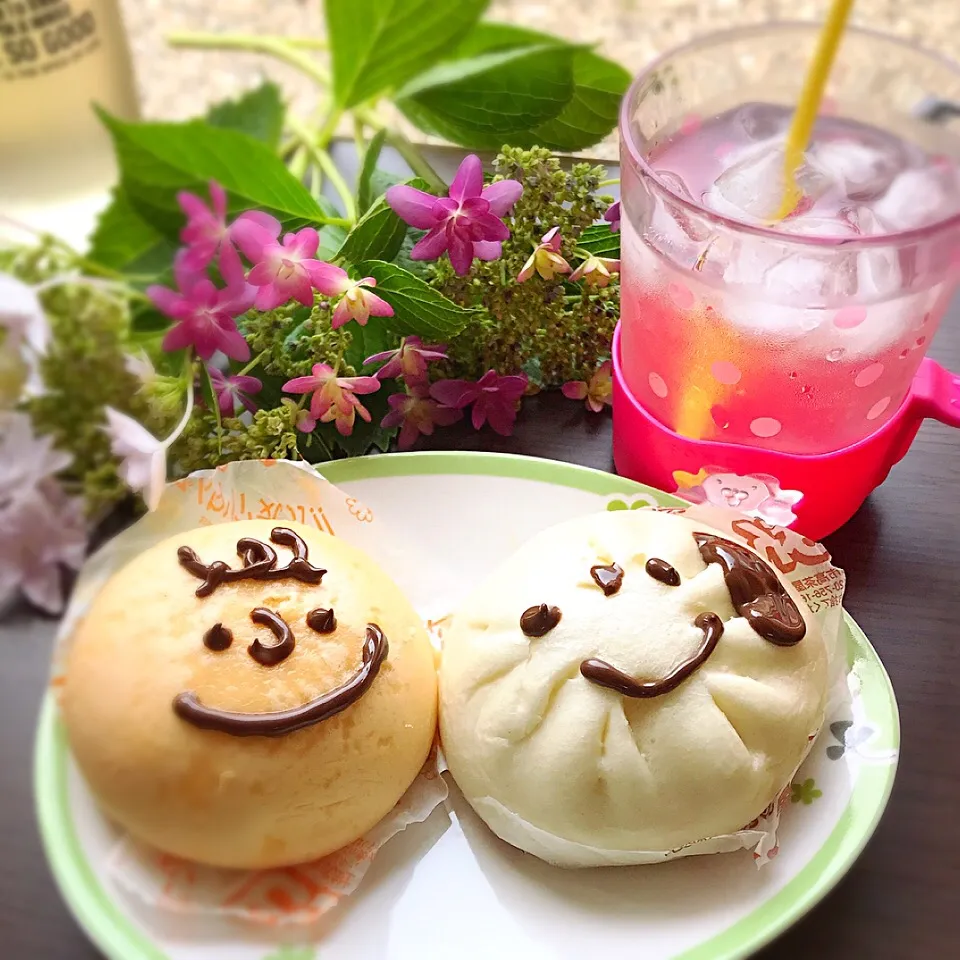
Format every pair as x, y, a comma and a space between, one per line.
814, 495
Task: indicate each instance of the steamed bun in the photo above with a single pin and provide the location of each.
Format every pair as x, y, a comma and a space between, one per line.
578, 772
259, 791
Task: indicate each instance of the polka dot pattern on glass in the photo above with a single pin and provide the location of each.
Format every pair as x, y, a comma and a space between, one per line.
878, 408
658, 385
765, 427
723, 371
682, 296
849, 317
869, 375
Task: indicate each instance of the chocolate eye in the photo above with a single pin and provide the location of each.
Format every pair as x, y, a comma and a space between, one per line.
608, 577
218, 637
663, 571
537, 621
322, 620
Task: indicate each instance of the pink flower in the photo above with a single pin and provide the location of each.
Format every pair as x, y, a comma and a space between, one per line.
612, 216
495, 399
206, 227
409, 360
357, 302
467, 223
204, 313
415, 412
233, 390
545, 259
283, 270
333, 397
597, 393
595, 271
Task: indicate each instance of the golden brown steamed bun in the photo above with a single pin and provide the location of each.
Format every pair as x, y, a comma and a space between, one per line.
247, 801
579, 773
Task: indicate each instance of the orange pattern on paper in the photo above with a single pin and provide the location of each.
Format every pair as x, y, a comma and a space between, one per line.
786, 557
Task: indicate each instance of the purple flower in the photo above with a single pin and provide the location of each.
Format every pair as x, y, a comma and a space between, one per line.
495, 399
204, 313
545, 259
233, 390
333, 398
206, 227
283, 270
409, 360
596, 271
415, 412
467, 223
357, 301
612, 216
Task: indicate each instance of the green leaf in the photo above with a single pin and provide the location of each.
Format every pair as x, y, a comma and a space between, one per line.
331, 240
377, 45
365, 194
146, 318
378, 335
599, 85
484, 101
210, 399
418, 308
123, 240
419, 268
157, 160
600, 240
258, 113
379, 233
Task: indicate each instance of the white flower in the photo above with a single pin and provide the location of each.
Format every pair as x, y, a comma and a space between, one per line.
22, 315
39, 532
143, 457
25, 459
41, 528
140, 366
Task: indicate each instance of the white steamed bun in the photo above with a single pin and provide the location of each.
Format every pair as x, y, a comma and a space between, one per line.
577, 772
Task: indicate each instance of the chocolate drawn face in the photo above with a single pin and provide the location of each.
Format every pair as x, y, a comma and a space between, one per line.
755, 592
260, 563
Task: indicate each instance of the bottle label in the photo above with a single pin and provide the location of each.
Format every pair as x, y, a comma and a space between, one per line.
40, 36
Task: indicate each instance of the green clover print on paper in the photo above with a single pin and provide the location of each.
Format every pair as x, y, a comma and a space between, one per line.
848, 737
288, 952
626, 502
805, 792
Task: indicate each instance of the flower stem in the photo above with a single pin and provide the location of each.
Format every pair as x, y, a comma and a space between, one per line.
253, 363
415, 160
329, 127
608, 183
182, 425
281, 48
316, 148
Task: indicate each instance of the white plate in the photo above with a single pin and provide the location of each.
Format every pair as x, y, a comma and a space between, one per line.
448, 887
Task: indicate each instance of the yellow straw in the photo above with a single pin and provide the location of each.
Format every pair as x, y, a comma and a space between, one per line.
693, 417
809, 106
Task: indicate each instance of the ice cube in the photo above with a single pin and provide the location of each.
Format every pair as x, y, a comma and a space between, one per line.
861, 170
918, 198
752, 188
669, 227
762, 121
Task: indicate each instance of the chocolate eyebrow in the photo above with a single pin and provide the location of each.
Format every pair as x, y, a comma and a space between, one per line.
259, 562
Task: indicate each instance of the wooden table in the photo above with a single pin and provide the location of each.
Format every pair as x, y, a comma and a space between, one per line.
902, 555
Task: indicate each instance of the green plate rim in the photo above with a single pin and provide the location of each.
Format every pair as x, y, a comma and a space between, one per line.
120, 939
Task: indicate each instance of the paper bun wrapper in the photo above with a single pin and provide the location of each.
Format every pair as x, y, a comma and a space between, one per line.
251, 698
554, 755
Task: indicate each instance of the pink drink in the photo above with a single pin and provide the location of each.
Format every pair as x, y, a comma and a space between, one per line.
803, 335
